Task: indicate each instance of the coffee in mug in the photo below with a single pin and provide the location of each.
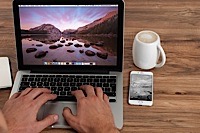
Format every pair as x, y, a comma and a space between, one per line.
147, 50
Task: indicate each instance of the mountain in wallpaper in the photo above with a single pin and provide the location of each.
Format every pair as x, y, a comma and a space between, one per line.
104, 25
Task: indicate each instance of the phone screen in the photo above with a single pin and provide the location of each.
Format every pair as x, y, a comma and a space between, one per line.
141, 87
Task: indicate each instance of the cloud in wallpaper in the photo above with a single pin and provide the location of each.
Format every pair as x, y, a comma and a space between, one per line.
62, 17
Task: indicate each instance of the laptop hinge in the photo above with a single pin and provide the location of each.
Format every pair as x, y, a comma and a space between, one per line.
72, 72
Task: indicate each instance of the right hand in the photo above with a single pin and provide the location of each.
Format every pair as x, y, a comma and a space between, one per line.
93, 112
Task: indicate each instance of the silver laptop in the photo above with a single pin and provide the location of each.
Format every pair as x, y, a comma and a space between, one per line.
65, 44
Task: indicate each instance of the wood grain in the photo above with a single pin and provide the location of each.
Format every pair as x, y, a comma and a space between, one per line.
176, 85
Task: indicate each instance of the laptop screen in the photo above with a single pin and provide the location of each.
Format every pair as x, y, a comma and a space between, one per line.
69, 34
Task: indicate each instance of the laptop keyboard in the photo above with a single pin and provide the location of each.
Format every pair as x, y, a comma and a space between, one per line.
62, 85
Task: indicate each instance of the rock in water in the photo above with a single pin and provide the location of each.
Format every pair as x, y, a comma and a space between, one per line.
70, 43
53, 47
99, 44
77, 45
81, 51
41, 54
29, 50
102, 55
92, 43
87, 45
70, 51
39, 45
60, 45
62, 41
90, 53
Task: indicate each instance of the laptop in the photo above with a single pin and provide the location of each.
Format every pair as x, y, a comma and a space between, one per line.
65, 44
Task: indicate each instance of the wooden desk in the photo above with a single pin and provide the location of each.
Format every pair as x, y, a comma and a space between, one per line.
176, 85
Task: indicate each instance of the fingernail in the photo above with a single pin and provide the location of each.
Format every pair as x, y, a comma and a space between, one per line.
55, 117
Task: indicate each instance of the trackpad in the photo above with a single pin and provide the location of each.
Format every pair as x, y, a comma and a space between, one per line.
57, 108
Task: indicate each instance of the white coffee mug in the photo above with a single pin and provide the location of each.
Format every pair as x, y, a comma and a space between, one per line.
147, 49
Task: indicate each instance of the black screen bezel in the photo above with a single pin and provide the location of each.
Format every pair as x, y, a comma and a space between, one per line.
65, 68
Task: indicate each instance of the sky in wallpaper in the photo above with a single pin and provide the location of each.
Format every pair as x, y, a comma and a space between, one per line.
61, 17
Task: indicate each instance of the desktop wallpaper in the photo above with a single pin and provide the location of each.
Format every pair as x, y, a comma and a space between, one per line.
55, 35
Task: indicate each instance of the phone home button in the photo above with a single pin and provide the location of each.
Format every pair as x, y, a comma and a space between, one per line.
140, 103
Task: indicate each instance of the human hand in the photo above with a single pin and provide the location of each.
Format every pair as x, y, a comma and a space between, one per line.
20, 111
93, 112
3, 126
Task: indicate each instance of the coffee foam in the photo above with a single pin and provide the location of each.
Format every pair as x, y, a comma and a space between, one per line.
147, 37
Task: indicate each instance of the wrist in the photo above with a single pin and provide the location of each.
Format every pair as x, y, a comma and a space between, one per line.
110, 130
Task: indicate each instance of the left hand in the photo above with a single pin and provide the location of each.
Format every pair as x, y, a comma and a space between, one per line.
20, 111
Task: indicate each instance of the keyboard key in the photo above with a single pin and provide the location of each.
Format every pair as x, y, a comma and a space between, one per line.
112, 100
74, 88
113, 87
60, 88
46, 84
53, 88
79, 84
111, 80
70, 80
82, 80
76, 80
107, 89
96, 80
53, 84
59, 83
69, 93
63, 79
25, 76
65, 98
65, 84
102, 80
105, 85
33, 84
63, 93
110, 94
24, 83
39, 83
72, 84
30, 79
66, 88
99, 84
89, 80
98, 77
56, 79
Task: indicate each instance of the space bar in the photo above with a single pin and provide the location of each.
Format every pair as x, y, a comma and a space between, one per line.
65, 98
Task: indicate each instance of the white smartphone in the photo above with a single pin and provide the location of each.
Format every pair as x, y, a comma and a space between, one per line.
141, 88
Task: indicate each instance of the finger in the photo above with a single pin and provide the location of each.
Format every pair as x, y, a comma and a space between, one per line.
25, 92
49, 120
37, 91
88, 89
43, 98
106, 99
99, 92
78, 94
15, 95
70, 118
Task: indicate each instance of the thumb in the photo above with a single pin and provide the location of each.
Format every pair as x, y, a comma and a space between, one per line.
69, 117
49, 120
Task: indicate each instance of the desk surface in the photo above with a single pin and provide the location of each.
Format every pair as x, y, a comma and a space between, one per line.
176, 85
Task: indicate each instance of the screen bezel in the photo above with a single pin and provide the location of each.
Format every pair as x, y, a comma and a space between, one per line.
65, 68
140, 102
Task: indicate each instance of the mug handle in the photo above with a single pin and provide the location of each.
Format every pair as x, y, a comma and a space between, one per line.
163, 57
